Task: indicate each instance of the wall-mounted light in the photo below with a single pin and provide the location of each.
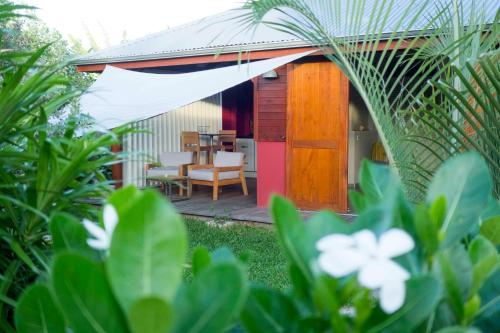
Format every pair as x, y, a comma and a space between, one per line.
271, 75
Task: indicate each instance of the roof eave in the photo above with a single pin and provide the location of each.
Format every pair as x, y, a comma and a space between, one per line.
192, 53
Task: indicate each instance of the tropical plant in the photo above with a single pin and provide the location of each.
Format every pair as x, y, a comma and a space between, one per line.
398, 267
134, 282
29, 33
40, 172
396, 56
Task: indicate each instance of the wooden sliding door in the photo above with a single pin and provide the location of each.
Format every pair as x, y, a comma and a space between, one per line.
317, 134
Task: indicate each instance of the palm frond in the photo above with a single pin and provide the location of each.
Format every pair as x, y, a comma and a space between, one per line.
391, 55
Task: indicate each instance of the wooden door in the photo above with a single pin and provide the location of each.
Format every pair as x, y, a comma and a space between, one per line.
317, 134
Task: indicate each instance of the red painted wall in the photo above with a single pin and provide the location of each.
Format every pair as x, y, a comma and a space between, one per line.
270, 170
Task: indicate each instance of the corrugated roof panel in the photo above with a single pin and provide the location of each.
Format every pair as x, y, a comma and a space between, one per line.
224, 33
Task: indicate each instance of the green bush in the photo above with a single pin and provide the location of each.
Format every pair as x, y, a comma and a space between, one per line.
404, 267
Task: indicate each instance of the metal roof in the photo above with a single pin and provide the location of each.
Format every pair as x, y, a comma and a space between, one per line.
224, 33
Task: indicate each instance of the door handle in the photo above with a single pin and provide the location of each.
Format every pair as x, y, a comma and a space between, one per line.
283, 137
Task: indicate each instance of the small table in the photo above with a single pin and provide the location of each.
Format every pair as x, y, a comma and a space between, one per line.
168, 181
210, 144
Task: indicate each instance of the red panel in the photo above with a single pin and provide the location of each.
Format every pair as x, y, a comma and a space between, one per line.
270, 171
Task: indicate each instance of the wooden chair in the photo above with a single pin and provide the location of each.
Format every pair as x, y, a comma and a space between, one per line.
171, 164
190, 141
226, 170
226, 141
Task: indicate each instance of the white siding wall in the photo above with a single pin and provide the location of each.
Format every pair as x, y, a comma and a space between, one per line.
163, 134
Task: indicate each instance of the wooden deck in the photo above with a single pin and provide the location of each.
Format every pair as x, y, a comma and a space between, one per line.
232, 204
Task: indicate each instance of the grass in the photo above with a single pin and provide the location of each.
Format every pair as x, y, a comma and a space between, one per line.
266, 264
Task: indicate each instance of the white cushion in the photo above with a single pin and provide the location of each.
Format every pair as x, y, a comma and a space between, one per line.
163, 171
208, 174
176, 158
226, 159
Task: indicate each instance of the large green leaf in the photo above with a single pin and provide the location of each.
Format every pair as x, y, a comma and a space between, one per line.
298, 239
422, 296
150, 315
485, 261
268, 310
212, 301
290, 231
37, 312
69, 234
85, 296
487, 318
455, 269
466, 184
147, 252
376, 181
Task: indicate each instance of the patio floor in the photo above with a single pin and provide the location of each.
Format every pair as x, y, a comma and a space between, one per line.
232, 204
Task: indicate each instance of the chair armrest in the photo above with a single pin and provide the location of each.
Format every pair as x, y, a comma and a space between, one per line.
200, 166
183, 169
230, 168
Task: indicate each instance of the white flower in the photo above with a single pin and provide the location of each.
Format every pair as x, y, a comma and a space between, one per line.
342, 255
102, 237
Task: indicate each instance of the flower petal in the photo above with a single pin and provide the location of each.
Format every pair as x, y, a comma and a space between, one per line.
366, 241
95, 230
341, 262
395, 242
110, 217
392, 295
98, 244
376, 273
334, 241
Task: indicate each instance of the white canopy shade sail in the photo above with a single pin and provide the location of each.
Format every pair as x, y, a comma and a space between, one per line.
122, 96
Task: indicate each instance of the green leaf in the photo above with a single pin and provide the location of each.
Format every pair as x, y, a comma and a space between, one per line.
124, 198
487, 317
357, 201
490, 229
83, 292
268, 310
455, 269
69, 234
150, 315
222, 254
376, 180
213, 300
147, 252
466, 184
37, 312
459, 329
290, 231
298, 239
201, 259
426, 230
437, 212
422, 296
485, 261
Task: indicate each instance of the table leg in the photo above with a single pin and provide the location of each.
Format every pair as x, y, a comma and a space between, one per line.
190, 187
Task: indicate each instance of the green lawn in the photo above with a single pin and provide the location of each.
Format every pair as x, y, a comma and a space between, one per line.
266, 263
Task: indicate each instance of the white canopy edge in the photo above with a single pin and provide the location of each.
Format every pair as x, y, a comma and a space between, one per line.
121, 96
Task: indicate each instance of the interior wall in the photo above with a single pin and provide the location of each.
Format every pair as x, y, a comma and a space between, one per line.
237, 109
362, 135
162, 133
